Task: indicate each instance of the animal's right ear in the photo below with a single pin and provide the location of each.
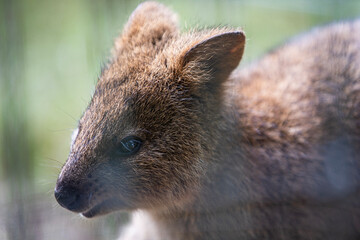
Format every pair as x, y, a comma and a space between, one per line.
150, 24
208, 63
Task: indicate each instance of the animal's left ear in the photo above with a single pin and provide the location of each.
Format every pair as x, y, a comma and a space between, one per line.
151, 24
213, 59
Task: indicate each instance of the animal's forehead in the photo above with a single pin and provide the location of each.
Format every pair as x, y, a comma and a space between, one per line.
129, 83
111, 99
118, 93
136, 69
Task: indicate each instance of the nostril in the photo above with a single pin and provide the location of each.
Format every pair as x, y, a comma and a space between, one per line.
68, 197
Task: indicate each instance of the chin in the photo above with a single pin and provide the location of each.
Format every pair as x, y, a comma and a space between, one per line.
104, 207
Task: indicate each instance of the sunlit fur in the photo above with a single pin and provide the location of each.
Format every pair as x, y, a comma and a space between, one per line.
268, 152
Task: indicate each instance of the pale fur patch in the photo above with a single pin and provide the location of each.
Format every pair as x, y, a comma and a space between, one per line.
141, 227
73, 137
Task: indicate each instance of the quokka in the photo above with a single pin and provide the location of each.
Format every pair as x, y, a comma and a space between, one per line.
198, 149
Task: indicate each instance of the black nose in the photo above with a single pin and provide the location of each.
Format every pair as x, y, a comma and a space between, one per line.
69, 197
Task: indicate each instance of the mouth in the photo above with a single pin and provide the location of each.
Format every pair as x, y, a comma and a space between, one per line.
103, 208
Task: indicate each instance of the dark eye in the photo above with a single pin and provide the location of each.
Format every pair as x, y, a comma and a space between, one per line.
129, 146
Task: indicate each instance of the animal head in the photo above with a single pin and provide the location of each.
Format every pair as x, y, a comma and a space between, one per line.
143, 140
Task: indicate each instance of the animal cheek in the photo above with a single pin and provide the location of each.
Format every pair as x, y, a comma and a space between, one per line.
93, 184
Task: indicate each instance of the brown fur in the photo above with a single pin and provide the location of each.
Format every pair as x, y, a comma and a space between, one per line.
268, 152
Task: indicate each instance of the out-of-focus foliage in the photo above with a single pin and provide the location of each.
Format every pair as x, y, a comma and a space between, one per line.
51, 53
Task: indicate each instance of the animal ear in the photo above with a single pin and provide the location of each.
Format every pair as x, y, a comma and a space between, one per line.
213, 59
151, 23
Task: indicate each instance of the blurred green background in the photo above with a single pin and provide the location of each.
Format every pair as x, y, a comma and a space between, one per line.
51, 53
